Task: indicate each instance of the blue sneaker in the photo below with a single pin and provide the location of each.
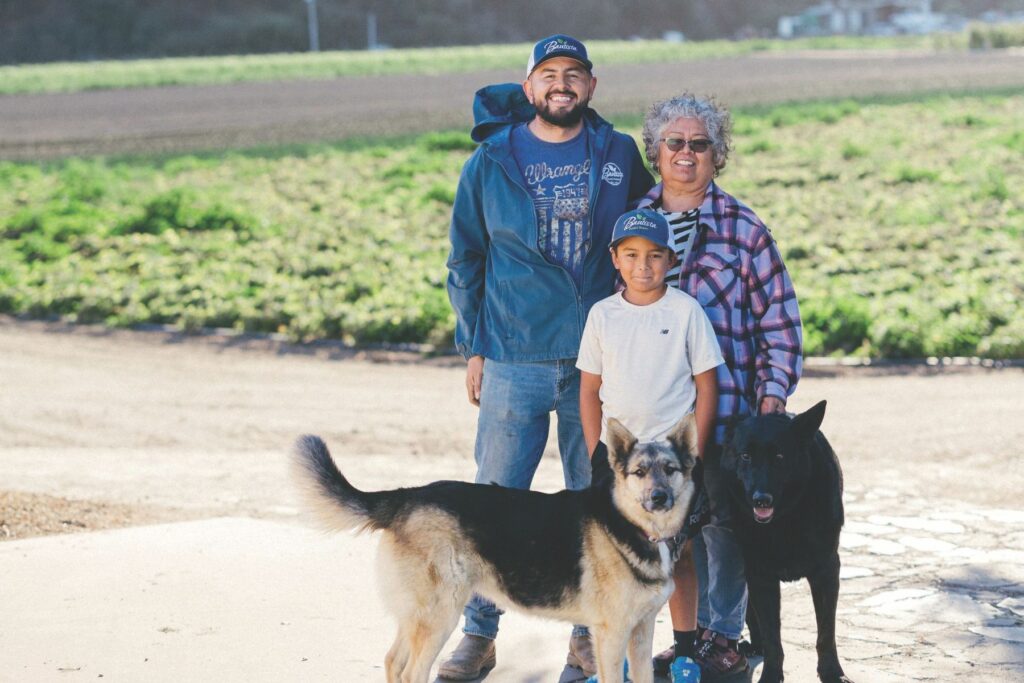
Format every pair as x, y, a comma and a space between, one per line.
684, 670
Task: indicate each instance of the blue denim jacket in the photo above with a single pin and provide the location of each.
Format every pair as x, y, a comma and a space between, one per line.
510, 303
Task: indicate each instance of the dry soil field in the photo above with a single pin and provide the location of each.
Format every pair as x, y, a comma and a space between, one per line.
218, 117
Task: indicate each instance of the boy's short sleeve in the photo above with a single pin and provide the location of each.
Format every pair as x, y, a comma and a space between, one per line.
701, 342
589, 358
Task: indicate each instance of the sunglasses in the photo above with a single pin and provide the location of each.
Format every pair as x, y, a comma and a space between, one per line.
676, 144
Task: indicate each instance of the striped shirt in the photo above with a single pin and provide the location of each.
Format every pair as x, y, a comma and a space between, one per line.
736, 273
682, 228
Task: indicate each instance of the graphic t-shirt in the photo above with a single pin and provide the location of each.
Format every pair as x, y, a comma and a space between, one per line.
558, 177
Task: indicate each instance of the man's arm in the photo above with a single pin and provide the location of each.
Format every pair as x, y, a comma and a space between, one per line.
706, 407
467, 258
590, 409
466, 274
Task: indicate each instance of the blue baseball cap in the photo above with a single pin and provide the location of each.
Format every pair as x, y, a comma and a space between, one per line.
645, 223
558, 45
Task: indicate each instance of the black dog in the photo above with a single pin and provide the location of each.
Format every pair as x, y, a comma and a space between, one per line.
786, 488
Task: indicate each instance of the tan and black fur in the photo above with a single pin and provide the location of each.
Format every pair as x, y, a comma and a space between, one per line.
598, 556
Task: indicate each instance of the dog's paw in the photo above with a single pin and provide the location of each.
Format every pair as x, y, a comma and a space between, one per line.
748, 649
833, 675
770, 677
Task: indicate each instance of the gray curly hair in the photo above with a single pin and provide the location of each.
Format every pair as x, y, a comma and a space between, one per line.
716, 120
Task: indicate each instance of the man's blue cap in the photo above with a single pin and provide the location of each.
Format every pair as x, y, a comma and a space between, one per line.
558, 45
645, 223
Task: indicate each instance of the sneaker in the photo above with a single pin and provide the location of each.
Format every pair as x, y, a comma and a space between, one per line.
718, 656
581, 655
684, 670
472, 657
663, 661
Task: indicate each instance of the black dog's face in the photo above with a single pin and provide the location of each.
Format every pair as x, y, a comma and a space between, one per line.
769, 456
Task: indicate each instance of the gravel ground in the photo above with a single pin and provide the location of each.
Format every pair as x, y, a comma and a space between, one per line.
23, 515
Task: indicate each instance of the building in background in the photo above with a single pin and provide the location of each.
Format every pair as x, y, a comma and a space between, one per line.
868, 17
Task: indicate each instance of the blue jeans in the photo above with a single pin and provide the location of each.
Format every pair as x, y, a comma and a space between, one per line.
516, 400
718, 559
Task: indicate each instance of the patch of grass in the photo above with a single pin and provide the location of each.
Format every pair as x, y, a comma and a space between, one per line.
851, 150
905, 173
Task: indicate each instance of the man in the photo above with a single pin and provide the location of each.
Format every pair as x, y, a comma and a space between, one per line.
534, 209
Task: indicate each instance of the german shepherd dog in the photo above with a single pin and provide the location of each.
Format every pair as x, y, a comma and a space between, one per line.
597, 556
786, 489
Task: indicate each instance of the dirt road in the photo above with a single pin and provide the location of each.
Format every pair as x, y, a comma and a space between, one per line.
104, 428
176, 119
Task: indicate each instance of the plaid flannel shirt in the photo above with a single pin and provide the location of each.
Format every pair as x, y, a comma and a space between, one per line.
736, 272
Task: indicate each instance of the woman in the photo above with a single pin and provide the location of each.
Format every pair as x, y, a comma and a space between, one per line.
729, 262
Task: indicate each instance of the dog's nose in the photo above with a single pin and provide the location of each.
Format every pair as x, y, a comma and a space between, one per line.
763, 500
659, 499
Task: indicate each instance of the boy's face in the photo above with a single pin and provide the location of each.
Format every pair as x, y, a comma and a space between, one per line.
642, 265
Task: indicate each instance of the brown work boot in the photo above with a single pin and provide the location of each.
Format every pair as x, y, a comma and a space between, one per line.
718, 656
473, 655
581, 655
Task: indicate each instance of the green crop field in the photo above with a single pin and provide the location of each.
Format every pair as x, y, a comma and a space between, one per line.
76, 76
902, 224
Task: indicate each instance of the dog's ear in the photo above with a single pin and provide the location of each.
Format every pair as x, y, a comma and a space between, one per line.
683, 436
730, 423
620, 440
806, 424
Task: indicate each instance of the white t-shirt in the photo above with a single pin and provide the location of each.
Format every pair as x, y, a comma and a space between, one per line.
647, 357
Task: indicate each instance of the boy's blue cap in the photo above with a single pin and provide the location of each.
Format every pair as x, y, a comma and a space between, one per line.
645, 223
558, 45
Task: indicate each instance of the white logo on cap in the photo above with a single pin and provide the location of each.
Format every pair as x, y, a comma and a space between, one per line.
612, 174
559, 44
639, 223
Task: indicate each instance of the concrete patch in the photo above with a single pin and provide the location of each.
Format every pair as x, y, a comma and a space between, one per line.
1013, 634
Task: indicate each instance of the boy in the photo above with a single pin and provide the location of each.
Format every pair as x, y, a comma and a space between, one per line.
648, 357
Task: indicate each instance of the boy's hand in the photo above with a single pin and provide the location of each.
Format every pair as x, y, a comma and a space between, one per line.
474, 378
772, 404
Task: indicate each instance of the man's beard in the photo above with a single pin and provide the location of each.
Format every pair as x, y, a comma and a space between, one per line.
566, 119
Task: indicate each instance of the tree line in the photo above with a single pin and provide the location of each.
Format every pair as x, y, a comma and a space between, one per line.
72, 30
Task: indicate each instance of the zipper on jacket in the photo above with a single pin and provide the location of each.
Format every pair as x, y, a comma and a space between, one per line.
581, 317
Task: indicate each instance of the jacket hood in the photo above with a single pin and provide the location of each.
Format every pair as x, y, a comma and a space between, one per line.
498, 106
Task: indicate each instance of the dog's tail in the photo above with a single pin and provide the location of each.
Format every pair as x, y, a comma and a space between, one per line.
337, 504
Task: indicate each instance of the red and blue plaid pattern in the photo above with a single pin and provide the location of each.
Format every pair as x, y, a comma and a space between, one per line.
736, 272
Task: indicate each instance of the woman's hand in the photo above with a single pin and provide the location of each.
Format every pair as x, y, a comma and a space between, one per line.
771, 404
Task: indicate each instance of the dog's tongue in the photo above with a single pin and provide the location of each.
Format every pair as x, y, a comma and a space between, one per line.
763, 514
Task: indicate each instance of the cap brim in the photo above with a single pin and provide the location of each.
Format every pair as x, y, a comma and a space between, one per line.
585, 62
615, 241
